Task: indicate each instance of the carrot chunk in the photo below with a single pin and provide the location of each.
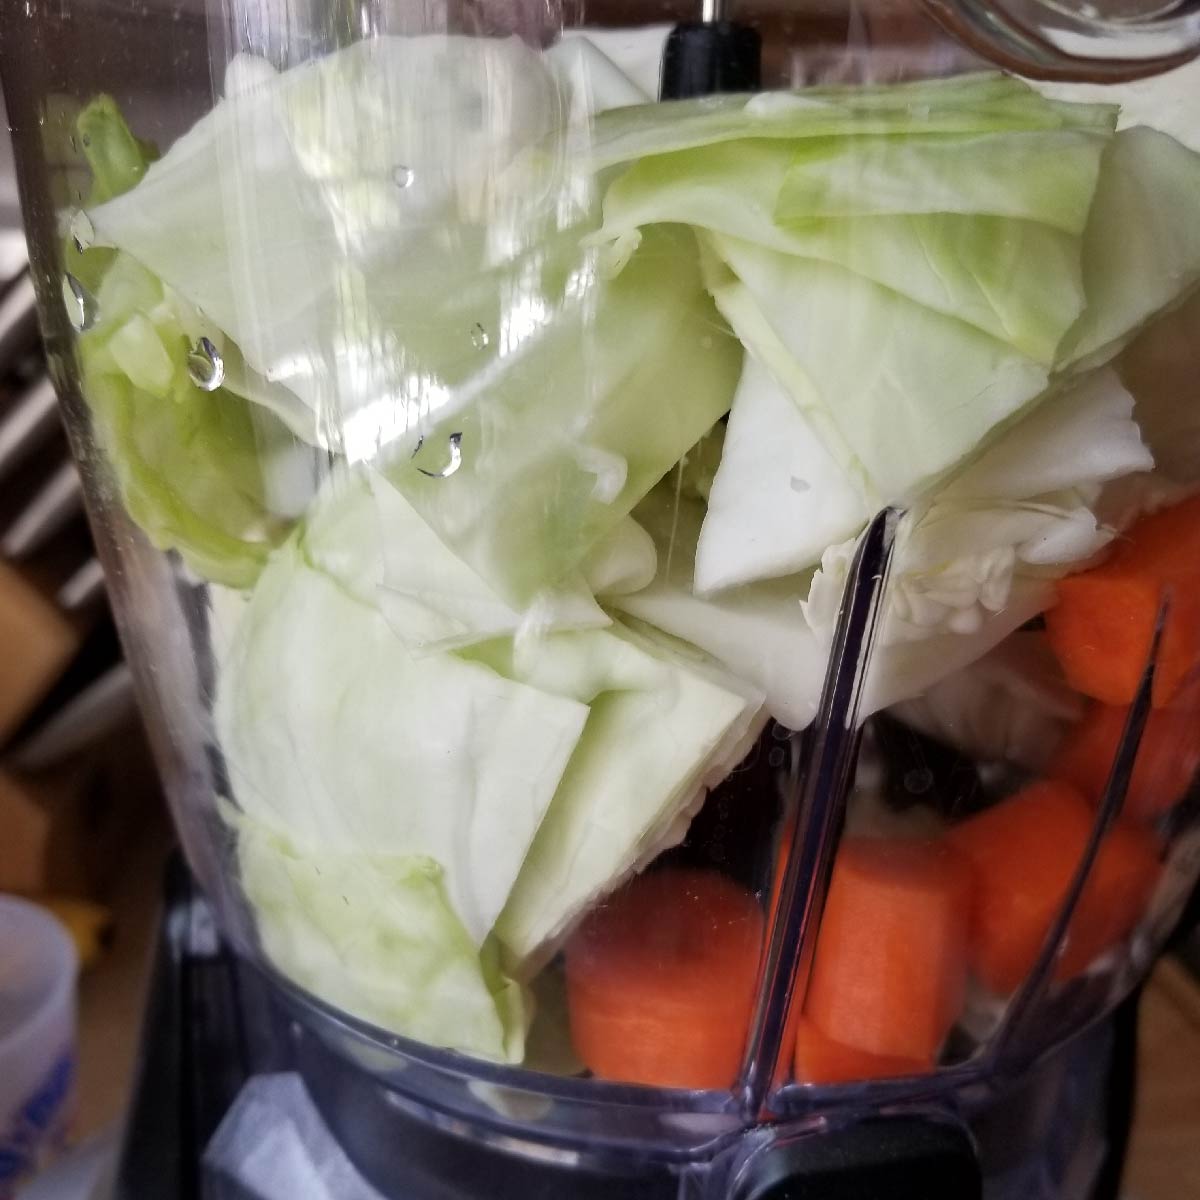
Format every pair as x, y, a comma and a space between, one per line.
1025, 852
819, 1059
889, 973
1103, 623
1167, 759
660, 980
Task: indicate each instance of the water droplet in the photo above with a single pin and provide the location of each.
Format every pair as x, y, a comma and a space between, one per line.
777, 757
206, 367
78, 301
781, 733
403, 176
479, 337
706, 342
73, 143
87, 139
83, 232
454, 442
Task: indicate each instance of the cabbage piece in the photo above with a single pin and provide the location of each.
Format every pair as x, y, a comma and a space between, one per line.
901, 670
962, 105
624, 561
757, 633
297, 214
116, 159
1141, 250
1047, 177
1017, 280
656, 725
335, 737
193, 466
364, 534
376, 935
569, 436
200, 471
1022, 508
636, 50
300, 216
908, 390
1083, 433
799, 503
594, 81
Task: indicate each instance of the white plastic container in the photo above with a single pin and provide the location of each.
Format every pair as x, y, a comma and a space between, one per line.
38, 967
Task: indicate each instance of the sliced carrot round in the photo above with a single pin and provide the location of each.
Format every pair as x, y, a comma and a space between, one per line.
661, 978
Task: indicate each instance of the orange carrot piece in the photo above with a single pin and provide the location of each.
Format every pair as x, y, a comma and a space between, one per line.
1103, 623
1114, 898
1165, 543
660, 980
889, 973
1025, 852
819, 1059
1167, 759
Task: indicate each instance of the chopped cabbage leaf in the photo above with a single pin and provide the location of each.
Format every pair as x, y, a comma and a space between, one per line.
335, 737
801, 502
1141, 250
1022, 508
1047, 177
655, 726
968, 104
908, 390
1018, 280
375, 934
298, 214
199, 471
194, 467
363, 533
570, 436
757, 633
623, 561
637, 51
593, 80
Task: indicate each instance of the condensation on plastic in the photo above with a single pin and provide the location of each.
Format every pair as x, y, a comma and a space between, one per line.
436, 229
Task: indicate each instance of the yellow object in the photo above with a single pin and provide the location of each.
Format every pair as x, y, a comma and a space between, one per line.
89, 924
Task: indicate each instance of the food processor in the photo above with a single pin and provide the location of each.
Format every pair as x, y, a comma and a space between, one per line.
659, 553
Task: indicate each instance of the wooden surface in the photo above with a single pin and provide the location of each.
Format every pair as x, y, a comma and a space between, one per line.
1164, 1156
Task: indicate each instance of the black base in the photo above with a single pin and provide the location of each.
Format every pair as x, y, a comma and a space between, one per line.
212, 1022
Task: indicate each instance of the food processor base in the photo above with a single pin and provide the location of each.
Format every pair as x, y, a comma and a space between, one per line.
236, 1099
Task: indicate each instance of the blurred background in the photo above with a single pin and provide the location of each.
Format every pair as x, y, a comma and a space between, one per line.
83, 828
